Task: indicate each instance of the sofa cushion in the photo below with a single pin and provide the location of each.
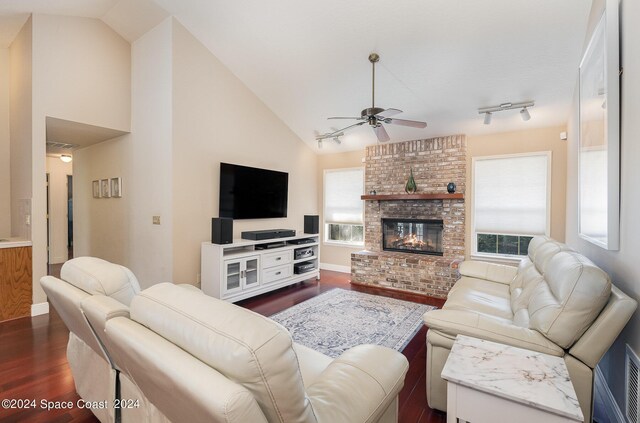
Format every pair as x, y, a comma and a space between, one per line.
244, 346
571, 296
481, 296
97, 276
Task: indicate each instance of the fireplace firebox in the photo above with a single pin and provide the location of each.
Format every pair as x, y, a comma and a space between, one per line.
412, 236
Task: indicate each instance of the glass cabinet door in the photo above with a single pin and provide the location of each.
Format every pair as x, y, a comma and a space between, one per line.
232, 275
251, 272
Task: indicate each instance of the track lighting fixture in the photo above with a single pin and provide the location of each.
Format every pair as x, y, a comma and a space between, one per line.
334, 136
523, 106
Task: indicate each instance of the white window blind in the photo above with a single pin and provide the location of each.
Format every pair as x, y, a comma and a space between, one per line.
511, 194
342, 191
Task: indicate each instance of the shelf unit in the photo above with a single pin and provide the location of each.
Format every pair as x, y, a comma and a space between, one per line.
239, 270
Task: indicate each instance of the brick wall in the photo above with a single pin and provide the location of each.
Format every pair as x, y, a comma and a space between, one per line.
435, 163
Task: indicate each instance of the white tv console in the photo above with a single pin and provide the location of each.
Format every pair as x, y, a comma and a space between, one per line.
233, 272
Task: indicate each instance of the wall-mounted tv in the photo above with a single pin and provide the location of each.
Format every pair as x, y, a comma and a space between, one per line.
252, 193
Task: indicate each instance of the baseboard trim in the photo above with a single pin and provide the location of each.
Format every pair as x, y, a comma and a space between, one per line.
39, 309
335, 267
610, 404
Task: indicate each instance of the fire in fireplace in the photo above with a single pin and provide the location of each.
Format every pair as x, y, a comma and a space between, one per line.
412, 236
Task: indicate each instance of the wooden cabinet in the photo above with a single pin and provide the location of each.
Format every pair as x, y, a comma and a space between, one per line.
245, 268
15, 282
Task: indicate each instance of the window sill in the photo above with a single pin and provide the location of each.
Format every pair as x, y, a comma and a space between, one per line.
497, 258
343, 244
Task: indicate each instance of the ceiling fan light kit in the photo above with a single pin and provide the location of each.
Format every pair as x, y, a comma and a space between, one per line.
523, 106
376, 116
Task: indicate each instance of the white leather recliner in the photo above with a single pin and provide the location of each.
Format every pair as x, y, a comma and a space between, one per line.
91, 367
185, 356
556, 302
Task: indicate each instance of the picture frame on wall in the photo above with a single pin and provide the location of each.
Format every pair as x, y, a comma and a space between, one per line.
599, 145
105, 188
96, 189
116, 187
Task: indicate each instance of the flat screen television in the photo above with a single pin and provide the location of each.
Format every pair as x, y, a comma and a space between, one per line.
252, 193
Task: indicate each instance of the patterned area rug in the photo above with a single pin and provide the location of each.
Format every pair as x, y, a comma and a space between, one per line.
339, 319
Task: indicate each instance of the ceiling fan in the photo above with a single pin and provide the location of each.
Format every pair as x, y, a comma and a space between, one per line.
376, 116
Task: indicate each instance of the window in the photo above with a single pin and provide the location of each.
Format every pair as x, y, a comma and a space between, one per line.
343, 223
511, 197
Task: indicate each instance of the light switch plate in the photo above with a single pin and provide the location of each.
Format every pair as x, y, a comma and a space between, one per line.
156, 220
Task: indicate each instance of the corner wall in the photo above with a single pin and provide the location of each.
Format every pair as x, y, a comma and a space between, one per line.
101, 225
621, 265
216, 118
527, 141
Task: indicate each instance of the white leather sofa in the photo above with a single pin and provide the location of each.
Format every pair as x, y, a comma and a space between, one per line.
91, 367
556, 302
179, 355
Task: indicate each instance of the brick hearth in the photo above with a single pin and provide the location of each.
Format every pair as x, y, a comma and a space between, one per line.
435, 163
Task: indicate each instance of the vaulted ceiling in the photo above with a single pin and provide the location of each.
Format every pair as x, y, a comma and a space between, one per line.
440, 59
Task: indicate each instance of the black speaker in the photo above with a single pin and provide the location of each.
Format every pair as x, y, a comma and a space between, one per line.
311, 224
221, 230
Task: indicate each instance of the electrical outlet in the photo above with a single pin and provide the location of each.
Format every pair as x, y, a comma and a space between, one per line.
27, 219
156, 220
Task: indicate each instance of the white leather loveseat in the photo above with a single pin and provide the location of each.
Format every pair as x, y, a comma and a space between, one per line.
556, 302
174, 354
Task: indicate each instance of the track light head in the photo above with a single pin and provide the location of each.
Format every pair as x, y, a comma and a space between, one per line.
487, 118
524, 114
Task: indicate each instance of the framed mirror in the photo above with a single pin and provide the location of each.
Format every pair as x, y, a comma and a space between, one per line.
599, 149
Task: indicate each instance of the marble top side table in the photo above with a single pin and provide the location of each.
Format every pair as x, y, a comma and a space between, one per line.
491, 382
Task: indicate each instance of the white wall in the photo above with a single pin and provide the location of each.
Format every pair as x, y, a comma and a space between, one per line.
150, 182
58, 226
101, 225
5, 159
216, 118
621, 265
20, 121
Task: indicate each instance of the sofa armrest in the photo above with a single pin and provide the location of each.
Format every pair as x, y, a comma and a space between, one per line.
461, 322
359, 385
499, 273
98, 310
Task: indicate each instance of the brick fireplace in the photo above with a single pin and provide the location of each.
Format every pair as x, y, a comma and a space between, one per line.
412, 259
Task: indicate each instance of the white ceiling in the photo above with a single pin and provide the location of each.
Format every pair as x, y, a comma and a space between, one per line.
440, 59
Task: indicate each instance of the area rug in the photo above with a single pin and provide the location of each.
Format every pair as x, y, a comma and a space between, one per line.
337, 320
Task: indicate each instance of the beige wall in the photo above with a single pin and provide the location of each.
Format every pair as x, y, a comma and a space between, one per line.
5, 159
20, 120
216, 118
58, 171
543, 139
81, 72
101, 225
150, 174
335, 257
621, 265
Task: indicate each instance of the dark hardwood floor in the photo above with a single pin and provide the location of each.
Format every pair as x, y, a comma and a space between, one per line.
33, 362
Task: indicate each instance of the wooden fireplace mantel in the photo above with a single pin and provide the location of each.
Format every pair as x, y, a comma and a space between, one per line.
391, 197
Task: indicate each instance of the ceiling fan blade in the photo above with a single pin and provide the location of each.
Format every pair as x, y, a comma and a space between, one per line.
389, 112
342, 117
381, 133
404, 122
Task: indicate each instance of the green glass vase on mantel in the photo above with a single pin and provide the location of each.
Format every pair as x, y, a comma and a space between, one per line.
410, 187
